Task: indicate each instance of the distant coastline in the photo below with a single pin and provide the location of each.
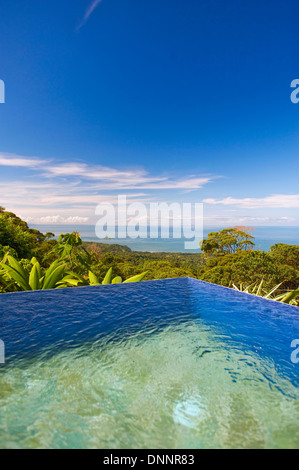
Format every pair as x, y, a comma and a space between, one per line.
265, 236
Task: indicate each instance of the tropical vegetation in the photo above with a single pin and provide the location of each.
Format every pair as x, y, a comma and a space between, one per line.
33, 260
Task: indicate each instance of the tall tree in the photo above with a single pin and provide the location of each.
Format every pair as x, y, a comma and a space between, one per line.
227, 241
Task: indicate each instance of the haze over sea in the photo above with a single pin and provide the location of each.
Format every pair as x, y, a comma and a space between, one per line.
264, 237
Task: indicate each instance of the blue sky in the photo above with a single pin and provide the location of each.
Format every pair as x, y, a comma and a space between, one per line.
185, 101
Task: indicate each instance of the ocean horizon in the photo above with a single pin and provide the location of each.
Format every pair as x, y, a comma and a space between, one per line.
265, 237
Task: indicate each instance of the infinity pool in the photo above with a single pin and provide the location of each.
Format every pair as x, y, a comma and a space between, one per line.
176, 363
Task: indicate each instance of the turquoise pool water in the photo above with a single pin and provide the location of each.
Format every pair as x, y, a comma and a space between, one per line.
169, 381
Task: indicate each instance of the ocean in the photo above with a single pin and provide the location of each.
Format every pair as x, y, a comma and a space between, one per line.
264, 238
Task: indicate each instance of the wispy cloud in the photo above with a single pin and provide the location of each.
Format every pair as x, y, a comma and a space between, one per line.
111, 178
274, 201
220, 220
57, 219
57, 202
107, 178
56, 192
89, 11
10, 159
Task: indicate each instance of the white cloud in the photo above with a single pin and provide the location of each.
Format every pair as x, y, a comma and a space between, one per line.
111, 178
57, 219
106, 177
273, 201
232, 221
89, 11
57, 201
8, 159
60, 193
55, 192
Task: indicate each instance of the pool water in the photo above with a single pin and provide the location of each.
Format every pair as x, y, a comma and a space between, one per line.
175, 363
178, 387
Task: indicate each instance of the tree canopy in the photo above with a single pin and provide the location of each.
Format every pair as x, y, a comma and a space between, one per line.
15, 233
227, 241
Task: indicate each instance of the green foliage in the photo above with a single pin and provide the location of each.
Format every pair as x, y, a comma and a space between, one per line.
93, 280
289, 297
158, 265
249, 267
137, 278
285, 254
18, 278
101, 248
226, 241
108, 278
70, 248
7, 250
227, 258
16, 234
256, 289
259, 290
73, 279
